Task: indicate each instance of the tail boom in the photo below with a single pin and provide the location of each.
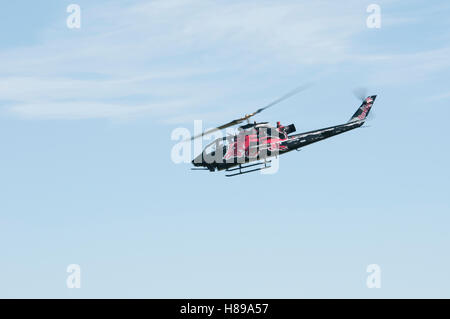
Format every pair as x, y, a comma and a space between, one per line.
299, 140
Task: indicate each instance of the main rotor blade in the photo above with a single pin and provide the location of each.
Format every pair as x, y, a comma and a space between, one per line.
284, 97
229, 124
247, 116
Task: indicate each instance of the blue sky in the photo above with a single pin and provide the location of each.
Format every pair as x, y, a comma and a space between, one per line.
86, 117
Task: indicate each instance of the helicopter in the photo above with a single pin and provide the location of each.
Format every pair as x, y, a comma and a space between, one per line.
259, 141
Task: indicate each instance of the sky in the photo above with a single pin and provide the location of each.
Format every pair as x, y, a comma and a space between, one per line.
86, 117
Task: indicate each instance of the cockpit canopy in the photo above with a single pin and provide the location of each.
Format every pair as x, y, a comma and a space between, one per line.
218, 144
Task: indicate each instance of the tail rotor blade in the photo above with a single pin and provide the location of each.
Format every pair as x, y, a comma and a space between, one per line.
360, 93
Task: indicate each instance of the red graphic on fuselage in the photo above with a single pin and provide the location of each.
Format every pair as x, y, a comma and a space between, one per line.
250, 143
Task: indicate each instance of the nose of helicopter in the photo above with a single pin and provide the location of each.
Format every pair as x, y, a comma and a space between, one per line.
198, 161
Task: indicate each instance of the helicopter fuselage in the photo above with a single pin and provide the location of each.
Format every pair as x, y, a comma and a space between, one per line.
260, 143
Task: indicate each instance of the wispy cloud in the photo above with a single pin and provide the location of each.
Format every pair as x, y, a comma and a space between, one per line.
163, 55
86, 109
159, 52
439, 97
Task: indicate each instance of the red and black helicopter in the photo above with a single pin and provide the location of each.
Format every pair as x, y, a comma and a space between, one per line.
260, 141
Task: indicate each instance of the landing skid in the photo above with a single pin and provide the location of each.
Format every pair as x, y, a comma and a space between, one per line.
241, 172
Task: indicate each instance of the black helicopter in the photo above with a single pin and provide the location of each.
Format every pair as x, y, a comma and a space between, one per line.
260, 141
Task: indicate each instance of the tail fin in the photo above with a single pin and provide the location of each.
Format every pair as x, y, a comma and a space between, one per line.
362, 112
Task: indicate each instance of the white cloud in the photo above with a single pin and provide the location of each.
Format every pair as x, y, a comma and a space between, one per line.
163, 55
86, 109
406, 68
162, 49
